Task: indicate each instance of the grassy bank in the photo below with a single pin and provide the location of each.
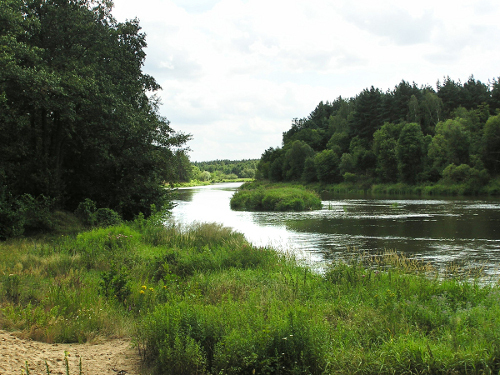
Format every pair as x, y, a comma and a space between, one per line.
259, 196
202, 300
437, 189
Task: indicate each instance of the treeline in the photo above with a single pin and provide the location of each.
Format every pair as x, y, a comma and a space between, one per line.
224, 169
77, 118
411, 134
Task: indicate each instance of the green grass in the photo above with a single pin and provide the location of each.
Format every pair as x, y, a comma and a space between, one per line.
268, 197
200, 299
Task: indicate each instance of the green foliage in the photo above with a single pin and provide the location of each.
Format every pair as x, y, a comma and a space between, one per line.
275, 199
384, 146
410, 152
309, 174
200, 299
450, 145
294, 159
106, 217
79, 122
326, 164
86, 211
491, 142
224, 169
116, 284
90, 215
24, 213
453, 124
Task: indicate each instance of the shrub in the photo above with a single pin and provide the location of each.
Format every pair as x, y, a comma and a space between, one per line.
106, 217
24, 213
86, 211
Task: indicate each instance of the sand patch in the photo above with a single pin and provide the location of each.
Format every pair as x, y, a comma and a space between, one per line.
113, 357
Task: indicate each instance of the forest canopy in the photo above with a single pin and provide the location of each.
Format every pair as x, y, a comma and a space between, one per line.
410, 134
78, 117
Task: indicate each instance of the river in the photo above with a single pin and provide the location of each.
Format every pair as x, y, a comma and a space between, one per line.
439, 231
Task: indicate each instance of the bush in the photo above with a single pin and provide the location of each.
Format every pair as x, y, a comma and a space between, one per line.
24, 213
86, 211
106, 217
90, 215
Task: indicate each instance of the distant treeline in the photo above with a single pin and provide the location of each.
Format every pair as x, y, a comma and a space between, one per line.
411, 134
223, 169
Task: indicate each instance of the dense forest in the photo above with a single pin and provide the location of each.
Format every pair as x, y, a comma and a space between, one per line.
224, 169
411, 134
78, 117
208, 171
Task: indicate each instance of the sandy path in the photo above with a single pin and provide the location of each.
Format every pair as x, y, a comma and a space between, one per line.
114, 357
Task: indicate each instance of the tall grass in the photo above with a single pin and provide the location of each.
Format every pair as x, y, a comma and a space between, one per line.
266, 197
200, 299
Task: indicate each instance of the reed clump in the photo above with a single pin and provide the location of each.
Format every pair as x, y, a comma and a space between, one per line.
200, 299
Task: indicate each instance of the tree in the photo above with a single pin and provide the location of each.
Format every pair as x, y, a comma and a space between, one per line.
339, 143
183, 169
450, 145
397, 102
294, 159
77, 111
432, 107
450, 92
384, 146
474, 93
410, 152
494, 100
310, 173
268, 157
491, 141
367, 115
327, 166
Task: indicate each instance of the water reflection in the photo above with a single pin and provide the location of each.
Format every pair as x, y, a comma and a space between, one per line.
440, 231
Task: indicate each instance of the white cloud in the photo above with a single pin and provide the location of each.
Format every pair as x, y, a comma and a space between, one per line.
235, 73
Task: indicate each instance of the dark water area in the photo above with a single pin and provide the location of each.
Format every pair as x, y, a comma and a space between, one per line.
442, 231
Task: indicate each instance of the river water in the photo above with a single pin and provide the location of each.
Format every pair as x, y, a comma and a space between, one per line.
439, 231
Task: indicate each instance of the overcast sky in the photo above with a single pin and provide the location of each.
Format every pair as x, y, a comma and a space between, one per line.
235, 73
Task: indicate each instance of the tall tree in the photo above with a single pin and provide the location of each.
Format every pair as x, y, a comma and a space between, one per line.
492, 144
294, 159
385, 141
77, 110
410, 152
367, 115
475, 93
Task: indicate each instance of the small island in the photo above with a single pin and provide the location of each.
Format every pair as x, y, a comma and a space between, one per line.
259, 196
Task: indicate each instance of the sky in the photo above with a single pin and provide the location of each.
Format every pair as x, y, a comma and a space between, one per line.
235, 73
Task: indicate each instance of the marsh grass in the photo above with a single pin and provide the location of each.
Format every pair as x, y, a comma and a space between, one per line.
200, 299
258, 196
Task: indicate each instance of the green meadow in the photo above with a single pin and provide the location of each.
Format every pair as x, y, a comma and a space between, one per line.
201, 300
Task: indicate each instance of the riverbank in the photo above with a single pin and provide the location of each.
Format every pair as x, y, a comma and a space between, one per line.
166, 288
194, 183
437, 189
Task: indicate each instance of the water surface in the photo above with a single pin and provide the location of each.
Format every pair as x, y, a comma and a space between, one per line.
441, 231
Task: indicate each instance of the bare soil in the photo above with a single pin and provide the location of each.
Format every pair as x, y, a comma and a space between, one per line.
113, 357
